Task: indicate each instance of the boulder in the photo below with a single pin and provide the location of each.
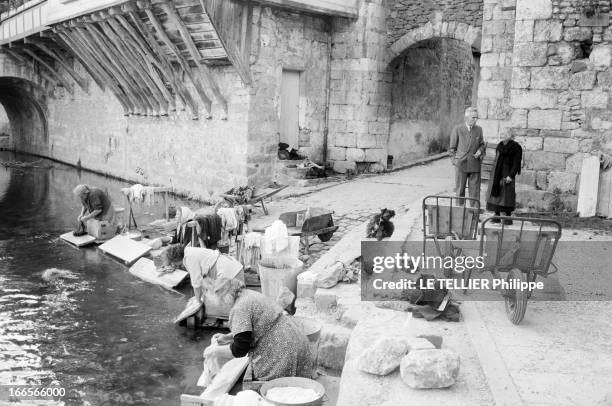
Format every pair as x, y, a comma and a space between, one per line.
332, 346
429, 369
383, 357
330, 275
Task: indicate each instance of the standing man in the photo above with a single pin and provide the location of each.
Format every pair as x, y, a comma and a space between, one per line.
96, 204
467, 149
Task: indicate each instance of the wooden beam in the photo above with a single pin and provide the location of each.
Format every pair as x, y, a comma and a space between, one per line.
159, 29
146, 59
22, 59
122, 49
121, 67
214, 9
65, 82
157, 57
90, 60
60, 61
80, 56
173, 16
104, 70
336, 8
179, 86
109, 65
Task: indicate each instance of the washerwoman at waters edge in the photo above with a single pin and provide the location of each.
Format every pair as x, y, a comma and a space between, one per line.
501, 193
275, 342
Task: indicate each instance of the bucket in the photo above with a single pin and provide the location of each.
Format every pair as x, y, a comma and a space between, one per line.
294, 382
311, 327
273, 279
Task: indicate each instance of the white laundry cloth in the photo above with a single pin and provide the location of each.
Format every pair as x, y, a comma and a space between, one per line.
228, 218
212, 366
136, 193
277, 237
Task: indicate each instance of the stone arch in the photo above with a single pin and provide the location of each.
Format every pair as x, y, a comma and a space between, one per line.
434, 73
438, 29
24, 94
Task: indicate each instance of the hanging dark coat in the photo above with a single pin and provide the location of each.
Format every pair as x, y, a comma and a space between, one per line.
501, 196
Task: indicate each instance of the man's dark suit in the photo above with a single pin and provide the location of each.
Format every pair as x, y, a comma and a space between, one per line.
464, 144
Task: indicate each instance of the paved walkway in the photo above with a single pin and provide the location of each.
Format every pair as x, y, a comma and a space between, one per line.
355, 202
559, 355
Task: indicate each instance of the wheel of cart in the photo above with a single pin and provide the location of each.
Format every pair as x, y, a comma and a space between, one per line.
523, 250
448, 218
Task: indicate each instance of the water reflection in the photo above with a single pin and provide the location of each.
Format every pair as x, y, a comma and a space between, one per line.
104, 335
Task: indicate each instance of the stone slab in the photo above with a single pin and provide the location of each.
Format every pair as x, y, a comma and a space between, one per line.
80, 241
589, 186
358, 388
125, 249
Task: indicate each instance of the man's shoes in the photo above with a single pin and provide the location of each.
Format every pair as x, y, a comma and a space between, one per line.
79, 233
508, 222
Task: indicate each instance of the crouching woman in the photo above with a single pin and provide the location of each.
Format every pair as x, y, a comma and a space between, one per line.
275, 342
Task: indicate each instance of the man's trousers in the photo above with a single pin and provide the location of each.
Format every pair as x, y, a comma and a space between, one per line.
472, 180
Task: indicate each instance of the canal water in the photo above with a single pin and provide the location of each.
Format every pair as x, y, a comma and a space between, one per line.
105, 336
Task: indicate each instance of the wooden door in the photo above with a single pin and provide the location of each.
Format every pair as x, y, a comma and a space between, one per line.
290, 100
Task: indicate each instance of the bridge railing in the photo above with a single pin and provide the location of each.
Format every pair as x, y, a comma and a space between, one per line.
27, 19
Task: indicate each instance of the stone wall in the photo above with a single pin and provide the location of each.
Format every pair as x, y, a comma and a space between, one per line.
89, 129
194, 156
432, 86
204, 156
498, 30
561, 88
406, 15
360, 99
285, 40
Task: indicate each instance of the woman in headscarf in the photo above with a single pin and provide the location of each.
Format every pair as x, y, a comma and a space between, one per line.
275, 342
204, 267
501, 194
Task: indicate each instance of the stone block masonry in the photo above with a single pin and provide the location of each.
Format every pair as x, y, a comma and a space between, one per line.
293, 41
496, 61
360, 97
406, 15
562, 61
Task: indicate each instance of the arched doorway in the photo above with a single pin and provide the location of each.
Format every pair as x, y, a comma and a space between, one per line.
435, 71
434, 81
24, 105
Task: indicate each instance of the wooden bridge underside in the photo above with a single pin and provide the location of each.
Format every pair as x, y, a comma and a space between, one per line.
155, 56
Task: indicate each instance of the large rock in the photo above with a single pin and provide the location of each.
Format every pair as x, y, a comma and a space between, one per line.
430, 369
383, 357
330, 276
332, 346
